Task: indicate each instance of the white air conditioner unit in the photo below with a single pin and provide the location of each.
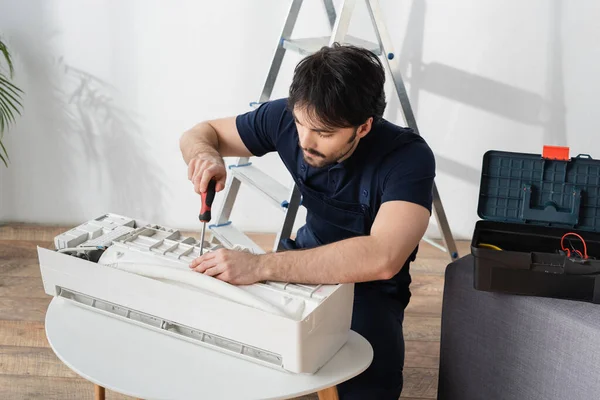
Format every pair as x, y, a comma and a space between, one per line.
138, 272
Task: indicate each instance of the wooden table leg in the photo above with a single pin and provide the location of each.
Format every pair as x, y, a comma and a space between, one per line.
330, 393
99, 392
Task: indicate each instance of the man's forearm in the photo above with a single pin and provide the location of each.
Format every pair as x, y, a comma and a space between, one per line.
202, 138
351, 260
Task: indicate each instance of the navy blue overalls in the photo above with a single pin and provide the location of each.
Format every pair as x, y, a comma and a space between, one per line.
377, 316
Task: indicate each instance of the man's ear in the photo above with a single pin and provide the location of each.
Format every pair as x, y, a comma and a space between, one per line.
365, 128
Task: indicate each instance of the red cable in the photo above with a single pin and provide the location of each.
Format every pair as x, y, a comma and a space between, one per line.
584, 255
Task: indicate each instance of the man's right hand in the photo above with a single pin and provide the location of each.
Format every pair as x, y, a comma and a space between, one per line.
202, 168
203, 148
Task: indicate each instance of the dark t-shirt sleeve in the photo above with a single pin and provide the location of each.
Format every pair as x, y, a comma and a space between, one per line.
411, 179
260, 128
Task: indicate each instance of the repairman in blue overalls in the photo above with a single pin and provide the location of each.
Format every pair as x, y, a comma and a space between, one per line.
365, 182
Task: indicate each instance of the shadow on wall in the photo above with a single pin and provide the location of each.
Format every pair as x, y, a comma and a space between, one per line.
115, 144
546, 110
86, 154
41, 166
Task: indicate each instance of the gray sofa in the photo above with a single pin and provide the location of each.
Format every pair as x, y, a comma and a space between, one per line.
498, 346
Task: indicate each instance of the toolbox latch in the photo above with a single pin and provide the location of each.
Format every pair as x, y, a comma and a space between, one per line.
556, 153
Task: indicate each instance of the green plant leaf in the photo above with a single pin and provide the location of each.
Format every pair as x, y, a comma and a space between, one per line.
9, 101
10, 86
6, 114
5, 152
9, 83
7, 57
8, 117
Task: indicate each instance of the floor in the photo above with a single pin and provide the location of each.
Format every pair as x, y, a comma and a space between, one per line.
30, 370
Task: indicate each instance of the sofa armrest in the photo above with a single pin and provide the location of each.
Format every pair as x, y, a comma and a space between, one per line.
499, 346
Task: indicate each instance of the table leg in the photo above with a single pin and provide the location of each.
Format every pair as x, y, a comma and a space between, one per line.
99, 392
330, 393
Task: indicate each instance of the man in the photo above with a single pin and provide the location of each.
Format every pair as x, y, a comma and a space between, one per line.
367, 187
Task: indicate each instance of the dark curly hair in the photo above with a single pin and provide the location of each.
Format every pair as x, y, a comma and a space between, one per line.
340, 86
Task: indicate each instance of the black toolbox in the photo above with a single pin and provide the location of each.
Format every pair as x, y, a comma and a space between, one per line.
528, 203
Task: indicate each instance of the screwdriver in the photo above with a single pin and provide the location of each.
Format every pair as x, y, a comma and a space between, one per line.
207, 199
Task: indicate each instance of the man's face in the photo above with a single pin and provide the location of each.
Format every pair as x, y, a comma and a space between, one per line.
322, 145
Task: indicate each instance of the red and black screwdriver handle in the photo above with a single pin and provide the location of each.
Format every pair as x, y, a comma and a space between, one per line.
207, 199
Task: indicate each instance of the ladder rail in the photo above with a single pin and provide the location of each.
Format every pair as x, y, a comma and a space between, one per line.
342, 22
288, 28
442, 221
330, 10
290, 217
232, 188
385, 43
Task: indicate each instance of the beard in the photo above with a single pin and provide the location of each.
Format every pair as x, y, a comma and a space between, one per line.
320, 160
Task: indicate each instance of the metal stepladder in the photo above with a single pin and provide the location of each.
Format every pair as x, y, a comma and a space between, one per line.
288, 200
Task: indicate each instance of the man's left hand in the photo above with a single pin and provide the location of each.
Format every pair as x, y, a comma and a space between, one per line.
232, 266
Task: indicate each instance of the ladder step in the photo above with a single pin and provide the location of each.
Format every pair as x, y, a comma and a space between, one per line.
272, 189
307, 46
229, 236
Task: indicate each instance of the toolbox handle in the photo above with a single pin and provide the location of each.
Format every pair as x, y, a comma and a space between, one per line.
584, 156
549, 212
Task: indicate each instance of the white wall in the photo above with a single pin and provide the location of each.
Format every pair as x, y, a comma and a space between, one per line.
111, 85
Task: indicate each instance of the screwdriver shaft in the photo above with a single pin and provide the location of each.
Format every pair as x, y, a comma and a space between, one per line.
202, 239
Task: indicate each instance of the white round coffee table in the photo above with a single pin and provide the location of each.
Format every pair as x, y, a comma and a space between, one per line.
142, 363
